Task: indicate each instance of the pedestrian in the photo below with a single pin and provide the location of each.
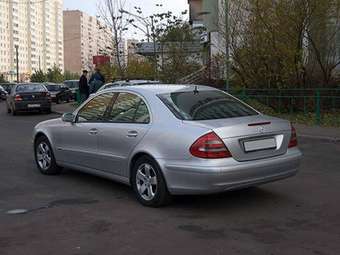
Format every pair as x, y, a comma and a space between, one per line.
97, 81
84, 89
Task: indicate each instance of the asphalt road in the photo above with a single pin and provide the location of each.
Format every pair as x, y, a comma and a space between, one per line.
79, 214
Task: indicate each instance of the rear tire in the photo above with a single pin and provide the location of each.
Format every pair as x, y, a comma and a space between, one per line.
44, 157
149, 184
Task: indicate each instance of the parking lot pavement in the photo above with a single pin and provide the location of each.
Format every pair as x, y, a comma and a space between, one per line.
76, 213
63, 108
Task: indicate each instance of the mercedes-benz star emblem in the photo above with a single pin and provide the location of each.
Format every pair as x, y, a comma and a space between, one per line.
261, 130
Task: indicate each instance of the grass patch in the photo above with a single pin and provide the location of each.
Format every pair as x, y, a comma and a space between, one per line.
331, 119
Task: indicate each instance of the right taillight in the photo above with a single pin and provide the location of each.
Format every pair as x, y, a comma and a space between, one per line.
210, 146
293, 142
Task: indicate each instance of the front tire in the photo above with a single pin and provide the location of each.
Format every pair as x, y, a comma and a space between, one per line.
44, 157
149, 184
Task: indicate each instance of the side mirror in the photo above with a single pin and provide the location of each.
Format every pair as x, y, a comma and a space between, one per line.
68, 117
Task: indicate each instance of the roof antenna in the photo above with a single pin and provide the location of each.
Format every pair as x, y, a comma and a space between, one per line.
196, 90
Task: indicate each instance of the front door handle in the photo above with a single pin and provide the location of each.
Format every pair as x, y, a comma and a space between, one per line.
132, 134
93, 131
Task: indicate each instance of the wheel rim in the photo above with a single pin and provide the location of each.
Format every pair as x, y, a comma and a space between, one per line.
44, 156
146, 180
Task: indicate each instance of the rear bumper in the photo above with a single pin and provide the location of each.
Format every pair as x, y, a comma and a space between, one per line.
228, 175
24, 106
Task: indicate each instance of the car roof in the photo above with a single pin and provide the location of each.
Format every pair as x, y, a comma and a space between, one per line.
29, 83
136, 81
52, 84
161, 88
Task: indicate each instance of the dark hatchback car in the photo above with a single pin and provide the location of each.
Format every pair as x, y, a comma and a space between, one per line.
59, 92
73, 85
27, 97
3, 93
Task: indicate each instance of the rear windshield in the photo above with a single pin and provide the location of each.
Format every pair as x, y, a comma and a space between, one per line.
72, 84
53, 87
30, 88
205, 105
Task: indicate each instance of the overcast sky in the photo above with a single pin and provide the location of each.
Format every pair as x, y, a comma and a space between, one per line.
148, 6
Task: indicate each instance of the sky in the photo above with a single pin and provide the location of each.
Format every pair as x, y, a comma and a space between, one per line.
148, 7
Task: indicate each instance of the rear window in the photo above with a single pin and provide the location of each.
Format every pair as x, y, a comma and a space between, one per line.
30, 88
205, 105
53, 87
72, 84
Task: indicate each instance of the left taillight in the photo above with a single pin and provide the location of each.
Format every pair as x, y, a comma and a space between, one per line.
210, 146
18, 98
293, 142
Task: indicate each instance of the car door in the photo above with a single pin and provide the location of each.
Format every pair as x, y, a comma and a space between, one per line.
127, 123
79, 140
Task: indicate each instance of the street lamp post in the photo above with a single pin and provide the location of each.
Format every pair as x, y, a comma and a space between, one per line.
227, 57
154, 46
17, 60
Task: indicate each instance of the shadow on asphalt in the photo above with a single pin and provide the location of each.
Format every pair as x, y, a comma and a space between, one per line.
238, 199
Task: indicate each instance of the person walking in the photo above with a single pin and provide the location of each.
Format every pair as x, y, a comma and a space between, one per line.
97, 81
84, 89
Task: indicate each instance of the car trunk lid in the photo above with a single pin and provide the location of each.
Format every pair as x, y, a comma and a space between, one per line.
252, 137
33, 96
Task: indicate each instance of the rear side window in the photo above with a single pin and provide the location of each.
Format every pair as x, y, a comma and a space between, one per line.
205, 105
129, 108
30, 88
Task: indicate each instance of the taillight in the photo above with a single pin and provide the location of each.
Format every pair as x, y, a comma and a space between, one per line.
48, 95
293, 142
210, 146
18, 98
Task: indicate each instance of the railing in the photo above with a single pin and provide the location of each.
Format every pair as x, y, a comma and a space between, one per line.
195, 77
318, 102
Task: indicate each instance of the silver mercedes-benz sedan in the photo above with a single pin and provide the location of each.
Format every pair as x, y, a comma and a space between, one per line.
168, 140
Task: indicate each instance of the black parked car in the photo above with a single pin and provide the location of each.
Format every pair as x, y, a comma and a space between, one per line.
3, 93
73, 85
28, 97
59, 92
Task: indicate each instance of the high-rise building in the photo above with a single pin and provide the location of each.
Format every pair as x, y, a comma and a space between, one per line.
36, 27
84, 38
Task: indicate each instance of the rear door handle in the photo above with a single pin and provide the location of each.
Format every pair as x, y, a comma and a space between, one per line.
93, 131
132, 134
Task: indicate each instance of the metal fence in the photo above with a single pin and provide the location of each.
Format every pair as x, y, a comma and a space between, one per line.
291, 101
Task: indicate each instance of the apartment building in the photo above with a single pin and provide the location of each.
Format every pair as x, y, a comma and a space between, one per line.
84, 38
36, 27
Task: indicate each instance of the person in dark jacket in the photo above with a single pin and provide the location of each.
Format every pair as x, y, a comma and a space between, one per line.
84, 89
96, 82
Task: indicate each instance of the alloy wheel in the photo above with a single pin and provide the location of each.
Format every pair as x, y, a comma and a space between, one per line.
146, 180
44, 156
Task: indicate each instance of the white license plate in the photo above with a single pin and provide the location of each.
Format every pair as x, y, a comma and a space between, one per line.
33, 105
256, 145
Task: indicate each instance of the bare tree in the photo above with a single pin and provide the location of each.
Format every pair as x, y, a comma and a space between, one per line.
116, 20
322, 34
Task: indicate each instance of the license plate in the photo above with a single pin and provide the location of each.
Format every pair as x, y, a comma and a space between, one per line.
263, 144
33, 105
